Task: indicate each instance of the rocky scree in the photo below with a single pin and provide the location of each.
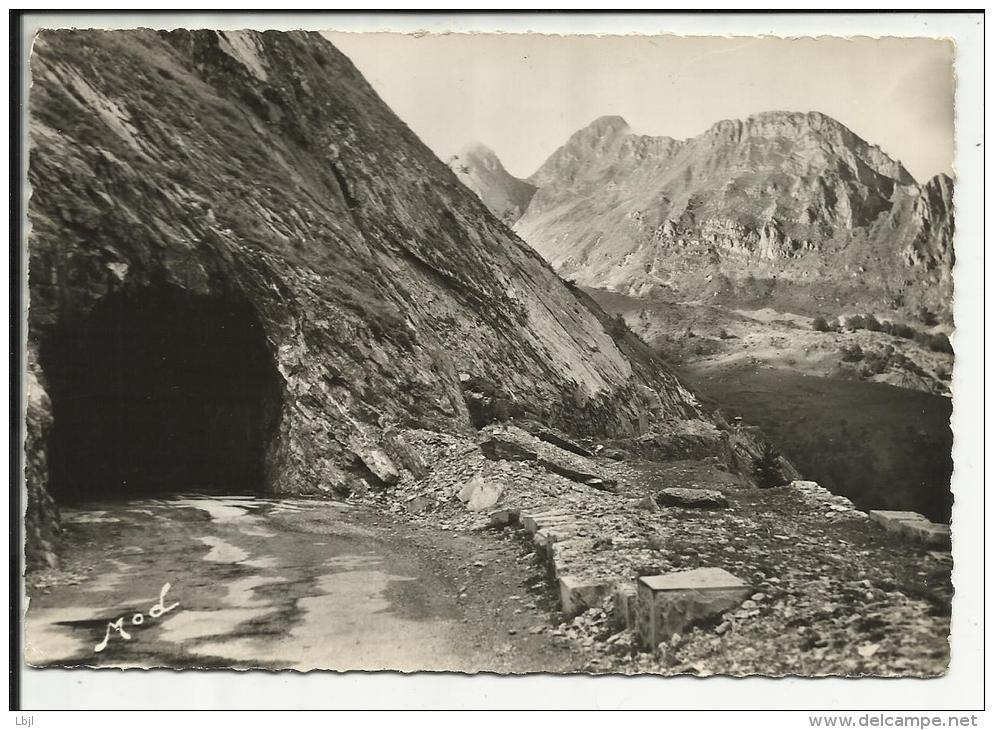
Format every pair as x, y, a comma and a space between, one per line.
830, 593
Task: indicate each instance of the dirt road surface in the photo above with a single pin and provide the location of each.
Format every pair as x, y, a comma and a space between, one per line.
287, 584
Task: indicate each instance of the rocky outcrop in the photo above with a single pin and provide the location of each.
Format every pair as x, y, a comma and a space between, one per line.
693, 439
479, 169
693, 498
736, 448
510, 443
41, 520
789, 196
558, 438
598, 151
509, 446
923, 217
259, 174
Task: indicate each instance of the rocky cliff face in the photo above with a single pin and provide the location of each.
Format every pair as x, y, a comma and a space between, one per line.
786, 196
254, 185
922, 219
479, 169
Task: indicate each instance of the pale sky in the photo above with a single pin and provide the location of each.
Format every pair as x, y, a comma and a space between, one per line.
523, 95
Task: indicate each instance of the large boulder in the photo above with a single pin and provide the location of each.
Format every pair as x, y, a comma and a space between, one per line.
584, 473
512, 443
612, 453
684, 439
692, 498
479, 494
506, 447
554, 437
379, 465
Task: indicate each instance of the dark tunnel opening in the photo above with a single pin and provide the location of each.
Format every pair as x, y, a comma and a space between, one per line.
160, 391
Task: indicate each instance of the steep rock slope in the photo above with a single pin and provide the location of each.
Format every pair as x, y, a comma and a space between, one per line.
258, 175
780, 196
479, 169
922, 220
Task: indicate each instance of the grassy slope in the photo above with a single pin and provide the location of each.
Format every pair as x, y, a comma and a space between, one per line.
881, 446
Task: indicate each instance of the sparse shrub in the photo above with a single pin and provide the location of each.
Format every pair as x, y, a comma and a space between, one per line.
855, 322
766, 468
937, 342
617, 327
905, 331
725, 335
852, 353
871, 323
941, 343
898, 330
820, 324
927, 317
719, 420
876, 362
912, 367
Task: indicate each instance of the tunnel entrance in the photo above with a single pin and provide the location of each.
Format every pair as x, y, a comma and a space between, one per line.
160, 391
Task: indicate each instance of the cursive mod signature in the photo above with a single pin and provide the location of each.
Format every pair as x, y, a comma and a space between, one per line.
137, 619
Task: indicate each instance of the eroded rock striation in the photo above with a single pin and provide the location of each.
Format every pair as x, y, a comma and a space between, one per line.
255, 183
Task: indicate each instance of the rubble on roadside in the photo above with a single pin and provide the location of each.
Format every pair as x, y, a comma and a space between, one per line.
508, 442
825, 584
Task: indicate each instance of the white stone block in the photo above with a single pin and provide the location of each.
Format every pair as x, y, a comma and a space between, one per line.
578, 594
668, 604
893, 520
625, 599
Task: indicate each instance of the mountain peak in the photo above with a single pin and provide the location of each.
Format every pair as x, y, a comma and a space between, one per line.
941, 180
479, 168
610, 122
476, 154
605, 128
475, 149
599, 140
780, 121
783, 115
793, 125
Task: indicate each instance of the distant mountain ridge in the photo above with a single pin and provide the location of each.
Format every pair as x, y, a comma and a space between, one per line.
779, 197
